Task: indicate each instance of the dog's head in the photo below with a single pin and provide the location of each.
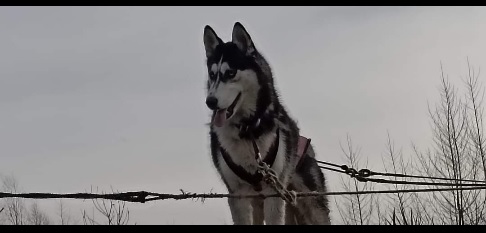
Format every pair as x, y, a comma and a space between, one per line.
233, 75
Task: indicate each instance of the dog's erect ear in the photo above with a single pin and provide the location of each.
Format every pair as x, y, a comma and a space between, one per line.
211, 40
242, 39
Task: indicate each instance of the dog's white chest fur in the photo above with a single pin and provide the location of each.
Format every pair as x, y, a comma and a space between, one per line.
242, 153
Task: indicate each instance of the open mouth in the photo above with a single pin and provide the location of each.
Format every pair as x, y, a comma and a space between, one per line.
222, 115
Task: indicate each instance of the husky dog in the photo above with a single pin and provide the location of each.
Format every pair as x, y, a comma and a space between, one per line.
246, 109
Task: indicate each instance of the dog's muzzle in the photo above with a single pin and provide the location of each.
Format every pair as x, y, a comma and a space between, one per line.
220, 116
212, 102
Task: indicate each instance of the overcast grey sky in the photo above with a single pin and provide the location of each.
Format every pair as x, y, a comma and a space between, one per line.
114, 96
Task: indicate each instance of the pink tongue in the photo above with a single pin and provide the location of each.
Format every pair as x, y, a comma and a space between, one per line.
219, 117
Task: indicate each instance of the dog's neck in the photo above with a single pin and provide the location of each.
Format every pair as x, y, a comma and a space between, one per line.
254, 126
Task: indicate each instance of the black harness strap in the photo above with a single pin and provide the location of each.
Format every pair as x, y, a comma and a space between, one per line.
256, 178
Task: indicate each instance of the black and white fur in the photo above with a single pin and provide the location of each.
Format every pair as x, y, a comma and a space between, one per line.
240, 77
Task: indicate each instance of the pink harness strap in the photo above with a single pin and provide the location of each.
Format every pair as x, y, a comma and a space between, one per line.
302, 147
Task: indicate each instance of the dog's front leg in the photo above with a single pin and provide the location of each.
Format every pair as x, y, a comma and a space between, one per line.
258, 217
241, 211
273, 208
274, 211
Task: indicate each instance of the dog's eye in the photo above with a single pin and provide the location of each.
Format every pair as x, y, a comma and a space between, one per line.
212, 75
231, 73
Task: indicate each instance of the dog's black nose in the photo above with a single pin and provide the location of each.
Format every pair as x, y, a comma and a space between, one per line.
212, 103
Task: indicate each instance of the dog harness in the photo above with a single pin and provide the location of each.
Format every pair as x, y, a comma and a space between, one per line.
302, 147
255, 178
